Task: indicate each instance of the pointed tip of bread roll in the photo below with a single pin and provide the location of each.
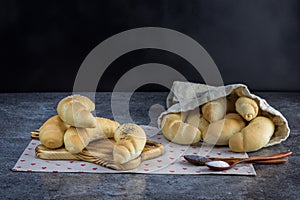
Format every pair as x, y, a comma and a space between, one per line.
91, 121
72, 140
70, 147
247, 108
249, 117
52, 143
73, 150
85, 119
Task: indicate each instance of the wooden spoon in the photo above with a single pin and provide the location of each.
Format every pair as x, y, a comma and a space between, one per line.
201, 160
225, 165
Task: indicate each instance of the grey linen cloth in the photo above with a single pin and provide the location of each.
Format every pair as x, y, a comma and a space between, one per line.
186, 96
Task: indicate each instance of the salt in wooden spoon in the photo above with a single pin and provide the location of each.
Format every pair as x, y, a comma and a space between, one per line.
201, 160
220, 165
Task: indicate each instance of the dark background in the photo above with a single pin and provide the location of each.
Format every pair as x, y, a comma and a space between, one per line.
43, 43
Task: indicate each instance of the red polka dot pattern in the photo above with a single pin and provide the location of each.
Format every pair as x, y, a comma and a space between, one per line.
172, 162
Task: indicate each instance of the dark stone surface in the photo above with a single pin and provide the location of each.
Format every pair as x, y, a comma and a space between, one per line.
22, 112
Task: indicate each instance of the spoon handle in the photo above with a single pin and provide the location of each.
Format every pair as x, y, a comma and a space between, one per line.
273, 161
268, 157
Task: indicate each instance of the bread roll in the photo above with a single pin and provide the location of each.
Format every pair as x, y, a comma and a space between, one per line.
76, 139
175, 130
193, 117
203, 125
220, 131
130, 141
247, 108
254, 136
76, 110
52, 132
214, 110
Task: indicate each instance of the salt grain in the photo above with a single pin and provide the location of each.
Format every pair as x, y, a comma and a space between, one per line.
218, 163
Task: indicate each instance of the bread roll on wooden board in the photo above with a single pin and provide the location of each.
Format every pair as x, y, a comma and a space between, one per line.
130, 141
254, 136
220, 131
175, 130
76, 139
247, 108
101, 152
76, 111
52, 132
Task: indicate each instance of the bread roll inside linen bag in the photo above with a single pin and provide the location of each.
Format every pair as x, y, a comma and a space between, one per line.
186, 96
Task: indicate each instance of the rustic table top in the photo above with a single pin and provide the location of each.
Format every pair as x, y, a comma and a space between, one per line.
21, 113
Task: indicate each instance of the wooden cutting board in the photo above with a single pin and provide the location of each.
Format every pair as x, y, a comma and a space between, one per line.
98, 152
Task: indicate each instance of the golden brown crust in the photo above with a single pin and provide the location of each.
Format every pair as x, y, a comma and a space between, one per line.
214, 110
76, 110
130, 141
76, 139
175, 130
254, 136
247, 108
52, 132
220, 131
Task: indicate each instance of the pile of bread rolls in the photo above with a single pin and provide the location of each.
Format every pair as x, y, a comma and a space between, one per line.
231, 120
75, 127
